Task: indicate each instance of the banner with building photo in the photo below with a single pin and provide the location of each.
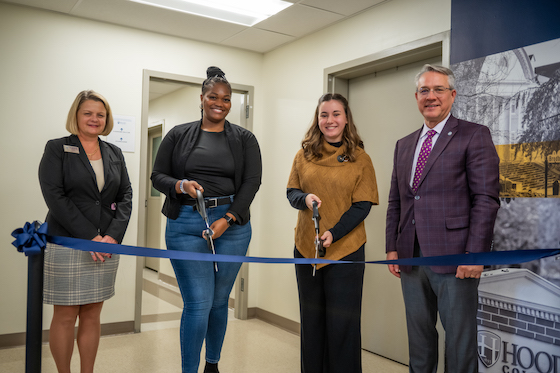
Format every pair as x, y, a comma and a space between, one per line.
516, 94
507, 67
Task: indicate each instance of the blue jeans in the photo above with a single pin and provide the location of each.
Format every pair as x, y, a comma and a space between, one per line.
205, 292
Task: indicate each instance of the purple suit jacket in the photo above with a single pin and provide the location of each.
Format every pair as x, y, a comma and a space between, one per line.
455, 206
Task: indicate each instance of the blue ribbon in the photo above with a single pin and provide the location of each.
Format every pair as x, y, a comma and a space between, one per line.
30, 239
487, 259
28, 233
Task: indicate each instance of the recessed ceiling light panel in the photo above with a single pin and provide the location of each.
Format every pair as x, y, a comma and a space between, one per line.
242, 12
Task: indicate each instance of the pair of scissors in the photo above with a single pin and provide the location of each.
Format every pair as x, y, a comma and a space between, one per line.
319, 248
207, 233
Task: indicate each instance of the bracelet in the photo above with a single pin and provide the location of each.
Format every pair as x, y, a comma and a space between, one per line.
181, 186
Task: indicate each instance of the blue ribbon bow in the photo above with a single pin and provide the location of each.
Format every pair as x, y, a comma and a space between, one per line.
31, 239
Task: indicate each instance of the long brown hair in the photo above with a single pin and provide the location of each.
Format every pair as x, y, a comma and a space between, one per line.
312, 143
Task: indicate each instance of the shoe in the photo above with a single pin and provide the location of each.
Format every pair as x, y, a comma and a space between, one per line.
211, 368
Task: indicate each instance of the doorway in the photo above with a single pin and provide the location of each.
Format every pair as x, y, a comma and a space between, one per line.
380, 91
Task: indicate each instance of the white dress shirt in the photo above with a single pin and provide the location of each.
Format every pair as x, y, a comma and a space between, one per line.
438, 128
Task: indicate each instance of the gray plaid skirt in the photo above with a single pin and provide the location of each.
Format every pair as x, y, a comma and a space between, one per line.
73, 278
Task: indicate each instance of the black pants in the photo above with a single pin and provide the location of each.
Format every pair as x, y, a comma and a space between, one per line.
330, 312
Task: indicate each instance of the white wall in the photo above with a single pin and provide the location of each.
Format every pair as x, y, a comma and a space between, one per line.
46, 59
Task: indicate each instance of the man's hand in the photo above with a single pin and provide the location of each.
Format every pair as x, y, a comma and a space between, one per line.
394, 268
469, 272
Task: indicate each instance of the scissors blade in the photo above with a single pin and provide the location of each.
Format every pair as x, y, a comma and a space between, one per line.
315, 265
210, 243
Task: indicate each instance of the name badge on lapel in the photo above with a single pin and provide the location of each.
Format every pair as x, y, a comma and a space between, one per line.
71, 149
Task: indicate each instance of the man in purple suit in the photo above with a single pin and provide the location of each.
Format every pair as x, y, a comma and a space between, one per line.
443, 200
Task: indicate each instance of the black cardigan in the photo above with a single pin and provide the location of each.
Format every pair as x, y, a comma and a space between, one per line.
174, 151
76, 206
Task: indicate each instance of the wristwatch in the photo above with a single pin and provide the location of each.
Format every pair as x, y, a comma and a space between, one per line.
229, 220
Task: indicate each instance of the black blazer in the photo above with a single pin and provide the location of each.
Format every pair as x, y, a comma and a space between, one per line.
76, 207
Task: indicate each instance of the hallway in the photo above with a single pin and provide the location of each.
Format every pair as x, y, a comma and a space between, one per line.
250, 346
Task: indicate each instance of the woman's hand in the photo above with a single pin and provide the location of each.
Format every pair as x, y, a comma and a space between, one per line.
309, 202
108, 239
189, 186
327, 238
219, 227
101, 256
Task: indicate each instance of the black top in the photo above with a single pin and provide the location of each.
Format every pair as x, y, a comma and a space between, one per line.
76, 206
211, 164
348, 221
175, 151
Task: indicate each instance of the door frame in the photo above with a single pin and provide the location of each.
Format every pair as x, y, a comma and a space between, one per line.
147, 75
155, 129
336, 77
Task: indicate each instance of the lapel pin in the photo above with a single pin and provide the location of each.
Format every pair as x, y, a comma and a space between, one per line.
449, 133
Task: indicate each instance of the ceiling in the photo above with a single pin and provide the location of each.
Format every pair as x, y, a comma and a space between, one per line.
300, 19
162, 87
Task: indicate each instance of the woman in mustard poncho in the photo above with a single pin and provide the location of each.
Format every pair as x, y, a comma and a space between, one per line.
332, 169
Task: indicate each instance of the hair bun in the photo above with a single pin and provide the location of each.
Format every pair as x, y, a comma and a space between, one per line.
213, 71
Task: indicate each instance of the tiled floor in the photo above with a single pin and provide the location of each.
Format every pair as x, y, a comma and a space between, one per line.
250, 346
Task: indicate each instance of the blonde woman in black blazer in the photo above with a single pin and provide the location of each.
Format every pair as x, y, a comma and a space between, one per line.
87, 190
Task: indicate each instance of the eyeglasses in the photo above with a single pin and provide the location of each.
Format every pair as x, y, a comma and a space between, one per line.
438, 91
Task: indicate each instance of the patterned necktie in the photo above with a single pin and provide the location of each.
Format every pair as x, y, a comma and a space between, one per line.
422, 158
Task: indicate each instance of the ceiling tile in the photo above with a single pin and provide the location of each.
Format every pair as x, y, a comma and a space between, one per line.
257, 40
298, 20
346, 8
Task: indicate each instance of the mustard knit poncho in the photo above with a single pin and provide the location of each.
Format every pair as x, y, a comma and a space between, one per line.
338, 185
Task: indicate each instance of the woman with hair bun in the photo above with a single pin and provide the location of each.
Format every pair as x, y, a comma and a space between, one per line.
223, 161
333, 170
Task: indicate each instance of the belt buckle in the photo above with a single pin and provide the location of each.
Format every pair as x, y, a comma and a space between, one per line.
211, 202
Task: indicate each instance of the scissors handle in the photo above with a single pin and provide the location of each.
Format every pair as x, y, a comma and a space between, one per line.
316, 216
201, 206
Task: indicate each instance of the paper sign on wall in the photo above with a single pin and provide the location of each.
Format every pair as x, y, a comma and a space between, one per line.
123, 131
